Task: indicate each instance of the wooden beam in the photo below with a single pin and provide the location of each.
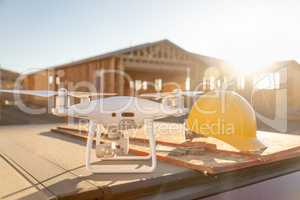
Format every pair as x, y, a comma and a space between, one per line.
145, 59
120, 78
154, 66
111, 76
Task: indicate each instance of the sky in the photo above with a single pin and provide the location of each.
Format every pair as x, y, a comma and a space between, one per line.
249, 34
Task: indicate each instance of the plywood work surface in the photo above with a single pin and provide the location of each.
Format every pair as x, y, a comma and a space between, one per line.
39, 164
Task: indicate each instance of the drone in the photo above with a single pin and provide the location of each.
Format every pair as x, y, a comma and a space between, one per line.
117, 114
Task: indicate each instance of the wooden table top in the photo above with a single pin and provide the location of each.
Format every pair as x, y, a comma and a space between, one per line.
38, 164
52, 165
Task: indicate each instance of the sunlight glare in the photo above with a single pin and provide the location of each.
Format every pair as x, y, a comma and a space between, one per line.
245, 67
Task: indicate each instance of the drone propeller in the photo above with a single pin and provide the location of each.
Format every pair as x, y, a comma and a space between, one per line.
160, 95
88, 94
46, 93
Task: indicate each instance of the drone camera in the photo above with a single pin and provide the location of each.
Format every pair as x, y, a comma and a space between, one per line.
175, 102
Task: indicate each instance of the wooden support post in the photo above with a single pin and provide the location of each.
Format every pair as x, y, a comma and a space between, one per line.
120, 77
195, 77
248, 87
52, 87
111, 76
106, 76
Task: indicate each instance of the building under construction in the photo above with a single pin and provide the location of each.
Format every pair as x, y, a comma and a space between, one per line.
157, 66
163, 66
7, 81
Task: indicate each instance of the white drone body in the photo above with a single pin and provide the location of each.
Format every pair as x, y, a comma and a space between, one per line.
117, 114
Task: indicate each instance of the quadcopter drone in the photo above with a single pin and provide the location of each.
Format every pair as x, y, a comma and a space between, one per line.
117, 114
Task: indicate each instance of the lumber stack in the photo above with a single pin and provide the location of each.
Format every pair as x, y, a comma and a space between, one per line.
207, 154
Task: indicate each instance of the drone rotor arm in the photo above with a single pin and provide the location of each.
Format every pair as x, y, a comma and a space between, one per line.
49, 93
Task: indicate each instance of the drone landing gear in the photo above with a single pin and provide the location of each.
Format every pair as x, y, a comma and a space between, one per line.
106, 148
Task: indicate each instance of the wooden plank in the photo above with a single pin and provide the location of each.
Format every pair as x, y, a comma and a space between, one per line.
29, 149
204, 186
16, 184
280, 147
55, 178
57, 161
66, 152
205, 163
176, 138
104, 179
83, 133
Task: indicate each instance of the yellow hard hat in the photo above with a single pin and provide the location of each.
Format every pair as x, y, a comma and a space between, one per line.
227, 116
